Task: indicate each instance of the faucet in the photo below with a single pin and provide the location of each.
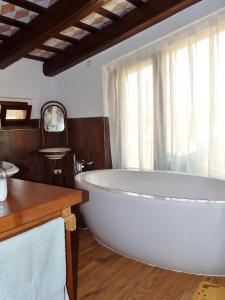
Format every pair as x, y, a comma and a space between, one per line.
80, 164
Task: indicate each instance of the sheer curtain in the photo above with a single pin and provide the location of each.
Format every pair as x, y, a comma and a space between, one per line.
167, 103
192, 72
131, 116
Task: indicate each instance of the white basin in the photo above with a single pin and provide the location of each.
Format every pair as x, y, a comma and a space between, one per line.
10, 169
54, 153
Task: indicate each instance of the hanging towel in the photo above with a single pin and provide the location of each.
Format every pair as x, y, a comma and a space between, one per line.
33, 264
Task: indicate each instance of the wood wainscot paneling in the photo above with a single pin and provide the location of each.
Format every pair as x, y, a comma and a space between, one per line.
108, 158
90, 137
58, 171
17, 146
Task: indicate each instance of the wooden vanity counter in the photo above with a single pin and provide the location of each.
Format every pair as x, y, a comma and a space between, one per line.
31, 204
28, 202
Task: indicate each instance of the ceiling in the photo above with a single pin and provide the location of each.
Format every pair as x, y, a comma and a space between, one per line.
62, 33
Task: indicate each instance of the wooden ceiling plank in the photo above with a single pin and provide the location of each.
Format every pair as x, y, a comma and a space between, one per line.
56, 18
28, 5
12, 22
86, 27
108, 14
136, 21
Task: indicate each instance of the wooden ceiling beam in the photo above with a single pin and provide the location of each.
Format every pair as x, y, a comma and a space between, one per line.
13, 22
51, 49
136, 21
34, 57
86, 27
108, 14
28, 5
4, 37
66, 38
137, 3
56, 18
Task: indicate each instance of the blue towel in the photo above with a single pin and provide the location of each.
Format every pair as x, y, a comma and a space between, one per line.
33, 264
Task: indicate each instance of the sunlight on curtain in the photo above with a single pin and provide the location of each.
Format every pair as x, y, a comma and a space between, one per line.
138, 116
185, 81
167, 109
194, 91
217, 157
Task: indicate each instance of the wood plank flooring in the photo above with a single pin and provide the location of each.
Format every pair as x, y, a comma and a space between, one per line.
105, 275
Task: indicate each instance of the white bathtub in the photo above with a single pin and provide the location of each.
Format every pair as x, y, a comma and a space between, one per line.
174, 221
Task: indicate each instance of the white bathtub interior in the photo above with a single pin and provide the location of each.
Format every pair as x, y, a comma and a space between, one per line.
158, 183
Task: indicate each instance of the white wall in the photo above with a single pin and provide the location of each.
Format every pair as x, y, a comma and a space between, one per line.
80, 88
25, 79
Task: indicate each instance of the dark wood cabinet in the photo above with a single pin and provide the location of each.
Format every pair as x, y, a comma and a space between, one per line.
58, 171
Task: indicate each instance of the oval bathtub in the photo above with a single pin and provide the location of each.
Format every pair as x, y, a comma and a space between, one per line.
174, 221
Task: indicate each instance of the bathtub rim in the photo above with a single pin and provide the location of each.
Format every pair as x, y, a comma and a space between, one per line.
80, 178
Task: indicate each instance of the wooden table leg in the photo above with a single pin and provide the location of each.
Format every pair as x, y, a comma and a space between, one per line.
71, 252
69, 265
72, 247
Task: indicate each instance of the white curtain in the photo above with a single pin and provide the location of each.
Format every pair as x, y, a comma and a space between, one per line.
167, 103
131, 121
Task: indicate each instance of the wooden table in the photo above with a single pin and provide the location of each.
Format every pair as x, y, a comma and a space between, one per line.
31, 204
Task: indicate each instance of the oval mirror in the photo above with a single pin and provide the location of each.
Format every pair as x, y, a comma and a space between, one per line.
54, 118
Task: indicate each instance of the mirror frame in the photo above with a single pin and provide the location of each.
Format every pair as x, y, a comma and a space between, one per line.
46, 106
45, 133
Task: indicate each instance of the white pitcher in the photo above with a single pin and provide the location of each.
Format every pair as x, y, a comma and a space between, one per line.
3, 186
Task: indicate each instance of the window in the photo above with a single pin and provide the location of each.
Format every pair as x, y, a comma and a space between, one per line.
167, 107
14, 113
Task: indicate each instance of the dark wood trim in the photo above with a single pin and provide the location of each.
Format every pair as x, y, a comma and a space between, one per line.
86, 27
8, 103
50, 49
34, 57
72, 251
69, 266
4, 37
108, 14
13, 22
136, 21
75, 253
66, 38
137, 3
33, 124
58, 17
28, 5
12, 122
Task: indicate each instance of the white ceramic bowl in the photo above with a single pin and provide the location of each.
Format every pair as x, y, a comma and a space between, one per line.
9, 168
54, 153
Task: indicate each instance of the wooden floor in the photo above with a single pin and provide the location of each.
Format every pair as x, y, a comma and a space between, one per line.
105, 275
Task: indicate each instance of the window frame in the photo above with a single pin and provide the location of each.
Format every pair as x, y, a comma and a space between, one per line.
6, 105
